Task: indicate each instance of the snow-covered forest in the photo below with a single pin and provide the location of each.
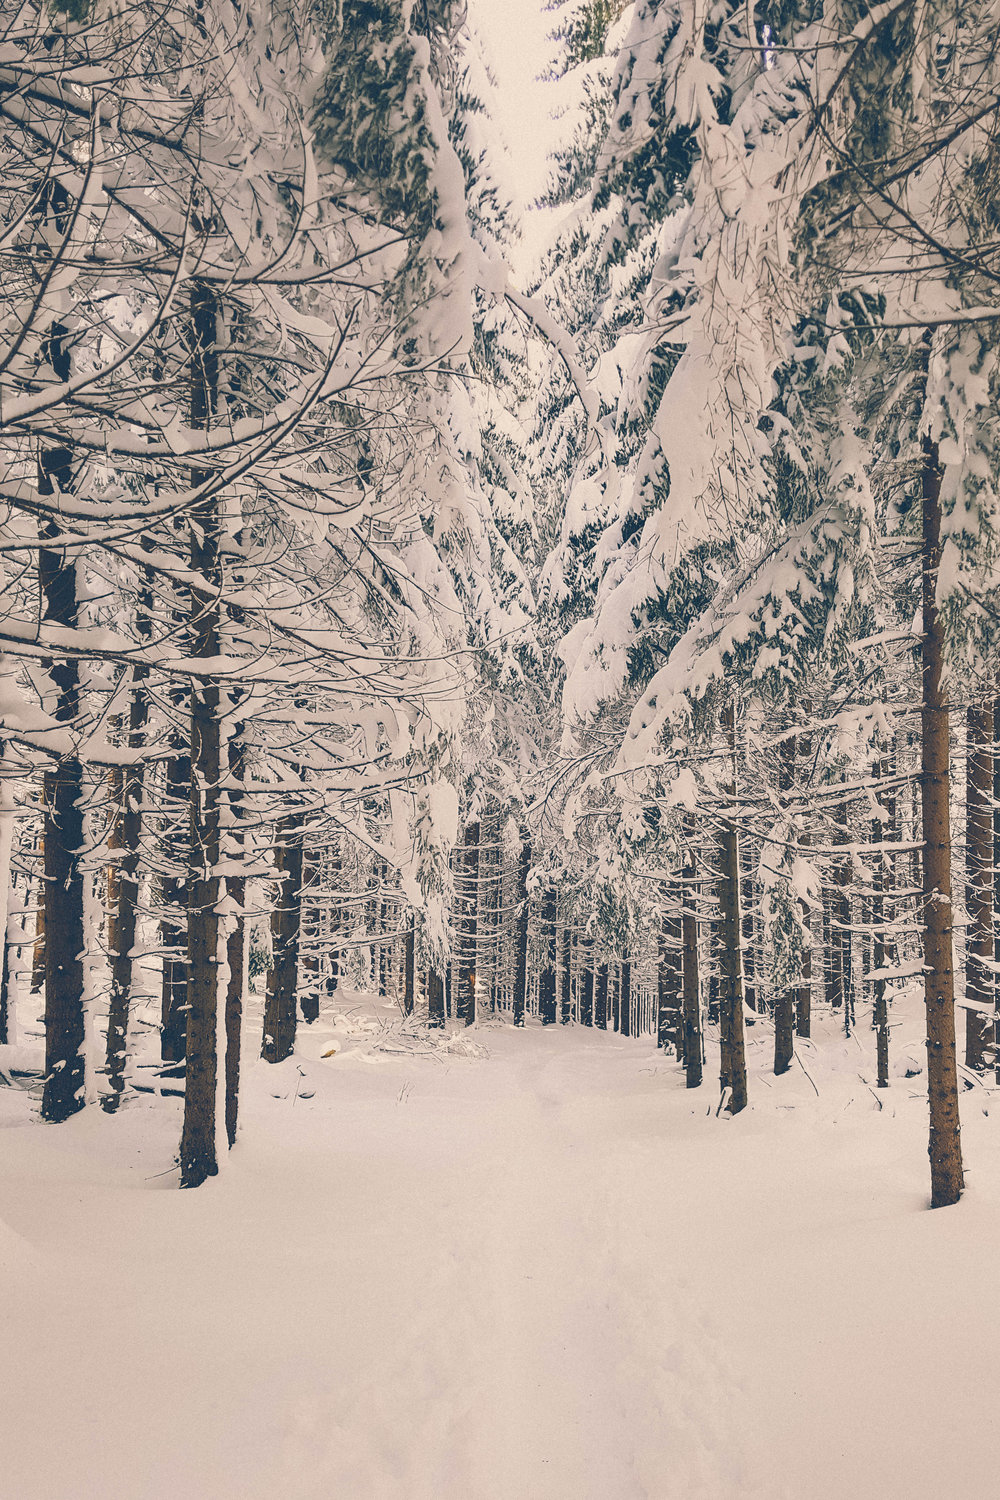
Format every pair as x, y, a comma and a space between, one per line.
499, 751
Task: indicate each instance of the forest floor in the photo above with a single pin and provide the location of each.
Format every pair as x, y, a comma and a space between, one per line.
512, 1266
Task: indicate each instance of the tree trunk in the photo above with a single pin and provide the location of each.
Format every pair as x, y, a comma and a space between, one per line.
626, 1019
803, 995
206, 887
280, 1015
669, 989
237, 954
979, 982
435, 999
733, 1075
945, 1147
784, 999
565, 990
586, 984
409, 965
880, 952
62, 832
521, 935
692, 1042
469, 925
123, 919
601, 998
547, 976
174, 980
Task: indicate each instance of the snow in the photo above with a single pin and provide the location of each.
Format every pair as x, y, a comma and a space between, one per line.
505, 1265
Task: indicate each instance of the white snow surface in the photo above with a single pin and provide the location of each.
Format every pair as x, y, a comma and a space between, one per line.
503, 1266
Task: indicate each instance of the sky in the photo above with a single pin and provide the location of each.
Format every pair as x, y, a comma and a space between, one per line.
515, 32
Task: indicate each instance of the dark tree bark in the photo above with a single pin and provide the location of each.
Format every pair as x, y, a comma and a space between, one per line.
601, 997
469, 925
309, 939
435, 999
586, 984
996, 885
547, 976
626, 1018
409, 965
784, 1000
123, 918
979, 982
565, 986
62, 825
280, 1015
945, 1146
173, 897
521, 934
733, 1074
669, 988
206, 887
692, 1041
236, 944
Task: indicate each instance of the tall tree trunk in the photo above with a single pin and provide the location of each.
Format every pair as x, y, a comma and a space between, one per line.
601, 997
880, 948
123, 919
237, 940
174, 980
280, 1015
979, 982
565, 988
206, 887
945, 1146
309, 944
469, 925
626, 1018
62, 831
669, 988
996, 887
803, 995
435, 998
784, 998
409, 965
586, 984
692, 1040
547, 976
521, 934
733, 1074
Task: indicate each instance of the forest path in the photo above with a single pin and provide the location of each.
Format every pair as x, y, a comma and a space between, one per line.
548, 1273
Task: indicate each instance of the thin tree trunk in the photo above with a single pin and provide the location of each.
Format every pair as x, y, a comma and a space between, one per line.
784, 999
469, 926
587, 985
733, 1075
62, 832
547, 976
409, 965
280, 1015
626, 1018
206, 887
521, 934
565, 992
601, 998
945, 1147
692, 1040
803, 995
979, 981
435, 999
123, 919
880, 1006
174, 978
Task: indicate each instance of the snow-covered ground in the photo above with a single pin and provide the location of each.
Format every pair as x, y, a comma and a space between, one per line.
531, 1267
